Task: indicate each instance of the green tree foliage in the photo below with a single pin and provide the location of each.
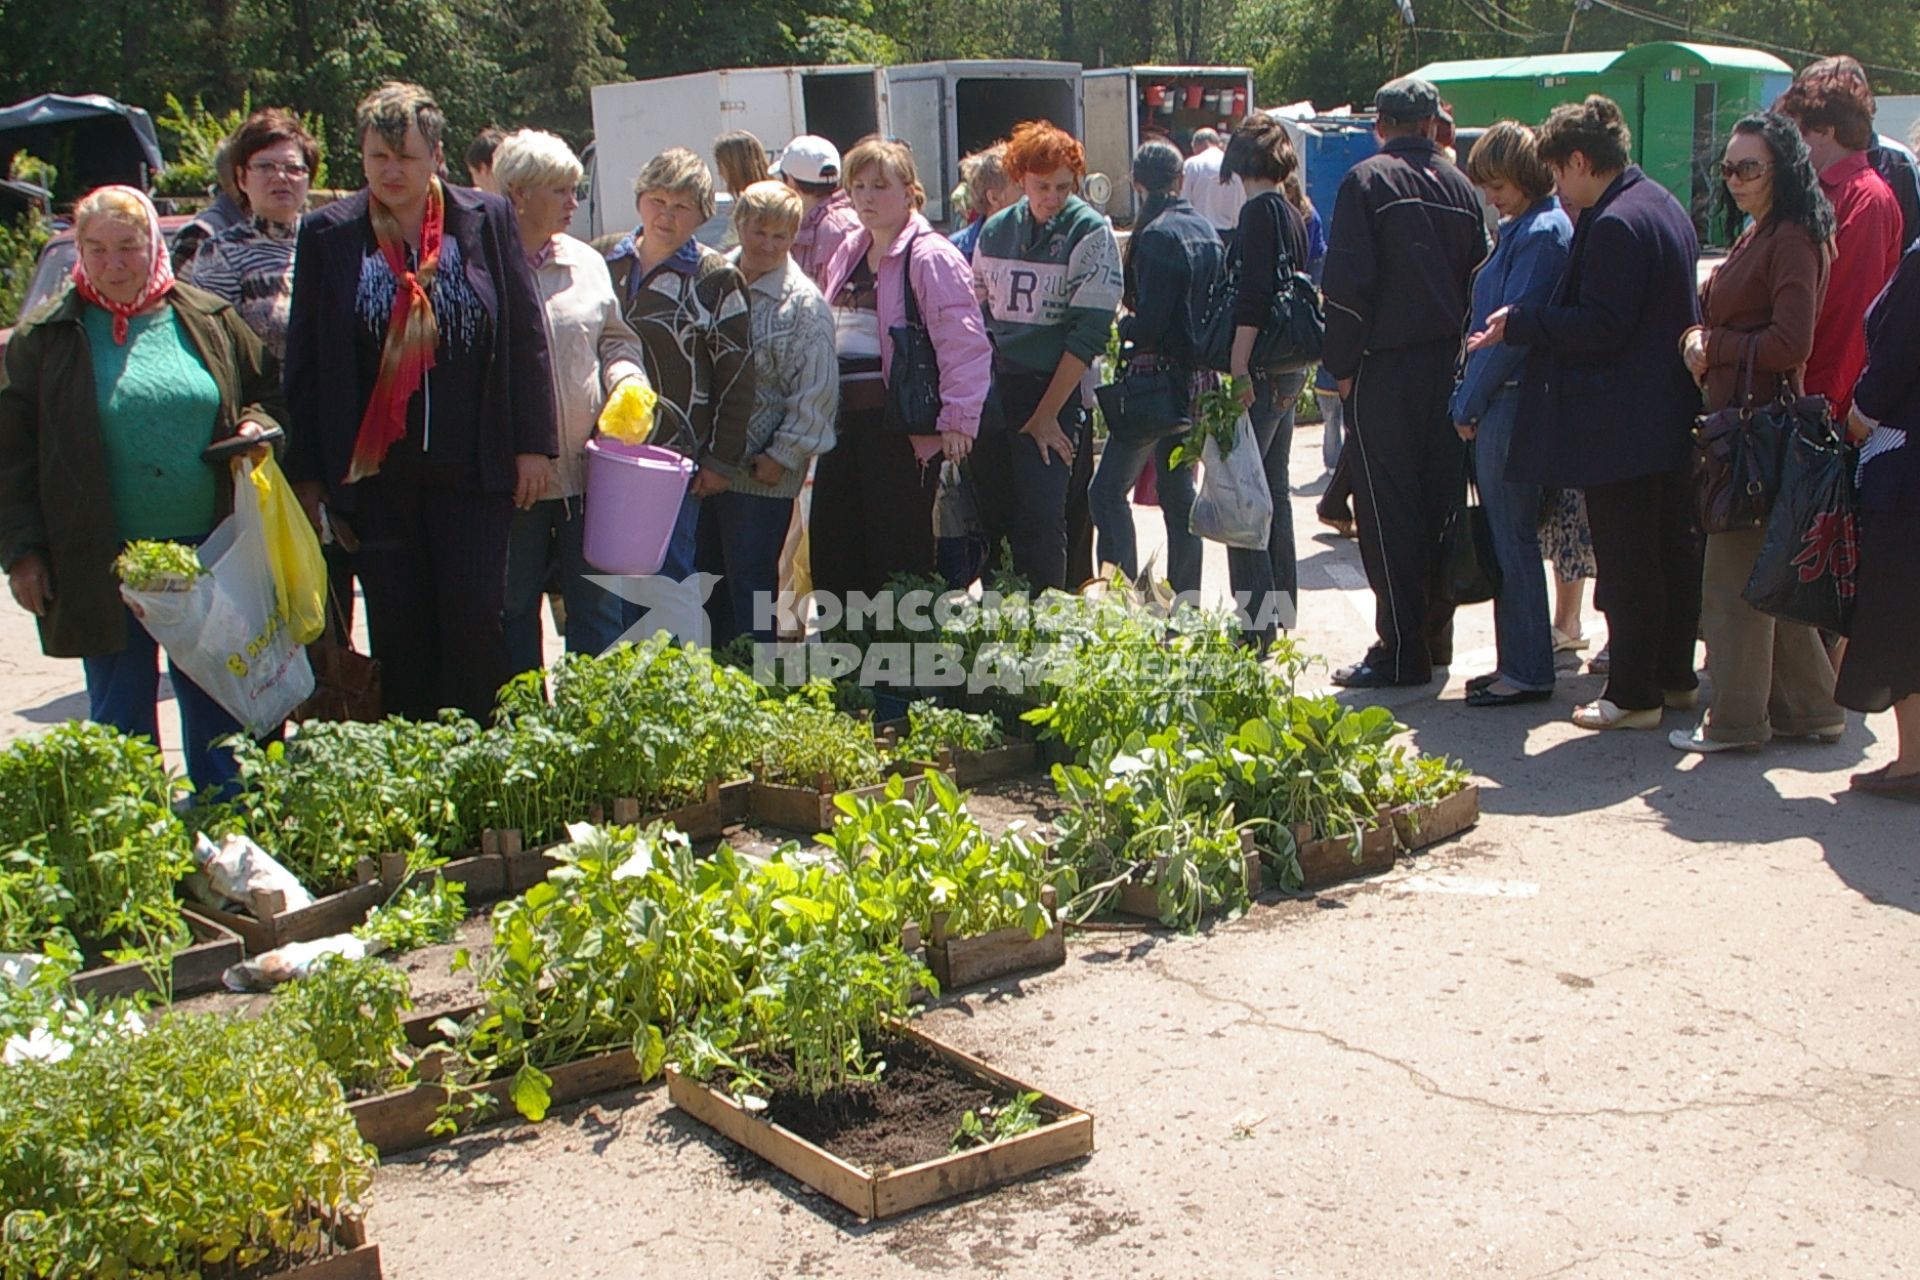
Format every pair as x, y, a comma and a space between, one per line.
514, 62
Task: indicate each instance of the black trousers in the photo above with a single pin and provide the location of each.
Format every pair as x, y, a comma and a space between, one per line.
1649, 562
872, 512
433, 570
1409, 471
1025, 496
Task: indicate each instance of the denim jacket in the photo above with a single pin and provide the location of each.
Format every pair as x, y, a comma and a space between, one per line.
1172, 263
1525, 266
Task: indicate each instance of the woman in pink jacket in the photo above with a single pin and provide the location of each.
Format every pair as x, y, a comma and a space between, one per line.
873, 493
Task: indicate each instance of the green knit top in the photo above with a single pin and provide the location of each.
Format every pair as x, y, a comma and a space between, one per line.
158, 407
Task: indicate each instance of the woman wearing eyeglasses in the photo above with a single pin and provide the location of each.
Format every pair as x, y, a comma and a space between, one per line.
1770, 677
250, 264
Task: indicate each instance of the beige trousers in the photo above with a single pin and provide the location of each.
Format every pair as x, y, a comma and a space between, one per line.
1769, 677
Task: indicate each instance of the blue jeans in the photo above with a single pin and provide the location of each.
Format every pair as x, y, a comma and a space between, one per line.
740, 536
1521, 621
1254, 574
123, 691
1109, 498
553, 532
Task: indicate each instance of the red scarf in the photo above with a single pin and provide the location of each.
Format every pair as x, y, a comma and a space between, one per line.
159, 271
412, 332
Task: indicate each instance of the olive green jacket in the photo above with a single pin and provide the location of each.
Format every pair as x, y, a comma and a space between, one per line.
54, 498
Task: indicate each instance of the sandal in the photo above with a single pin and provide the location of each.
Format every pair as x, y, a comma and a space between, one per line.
1564, 643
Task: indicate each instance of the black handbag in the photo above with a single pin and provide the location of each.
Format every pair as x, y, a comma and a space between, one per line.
1146, 403
1469, 570
1295, 331
1741, 451
1808, 567
913, 384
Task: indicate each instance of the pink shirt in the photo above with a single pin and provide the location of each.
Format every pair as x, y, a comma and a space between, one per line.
942, 284
821, 231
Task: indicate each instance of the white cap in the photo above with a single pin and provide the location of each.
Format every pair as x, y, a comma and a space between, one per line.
810, 159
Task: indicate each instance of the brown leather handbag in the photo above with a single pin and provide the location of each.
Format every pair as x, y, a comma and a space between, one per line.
1741, 450
346, 682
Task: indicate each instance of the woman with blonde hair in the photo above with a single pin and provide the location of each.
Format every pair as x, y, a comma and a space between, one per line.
873, 494
109, 401
592, 350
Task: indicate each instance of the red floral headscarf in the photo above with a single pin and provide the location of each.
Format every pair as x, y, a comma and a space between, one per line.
159, 267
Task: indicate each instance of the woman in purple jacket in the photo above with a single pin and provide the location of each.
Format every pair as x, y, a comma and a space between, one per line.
873, 492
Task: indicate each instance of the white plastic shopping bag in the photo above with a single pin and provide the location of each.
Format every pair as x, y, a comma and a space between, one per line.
1233, 504
227, 631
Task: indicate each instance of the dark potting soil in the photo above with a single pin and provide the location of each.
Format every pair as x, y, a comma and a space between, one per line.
907, 1116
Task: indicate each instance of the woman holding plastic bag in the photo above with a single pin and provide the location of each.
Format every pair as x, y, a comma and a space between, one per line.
109, 402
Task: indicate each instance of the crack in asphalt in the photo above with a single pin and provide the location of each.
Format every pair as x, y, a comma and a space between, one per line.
1254, 1016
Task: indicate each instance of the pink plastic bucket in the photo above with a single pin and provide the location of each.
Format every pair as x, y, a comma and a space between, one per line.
634, 492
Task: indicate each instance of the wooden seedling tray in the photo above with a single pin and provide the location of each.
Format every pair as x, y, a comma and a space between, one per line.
889, 1193
982, 957
269, 924
735, 798
808, 809
399, 1121
360, 1261
1138, 899
196, 968
483, 876
1331, 860
1423, 824
971, 768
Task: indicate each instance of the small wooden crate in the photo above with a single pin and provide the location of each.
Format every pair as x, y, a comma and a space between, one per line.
196, 968
971, 768
483, 876
269, 924
360, 1261
1424, 824
1332, 860
966, 962
1139, 900
808, 809
735, 797
399, 1121
889, 1193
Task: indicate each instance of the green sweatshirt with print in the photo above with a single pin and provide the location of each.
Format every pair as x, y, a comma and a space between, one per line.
1048, 288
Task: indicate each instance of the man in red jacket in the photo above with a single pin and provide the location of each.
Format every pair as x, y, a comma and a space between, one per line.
1834, 109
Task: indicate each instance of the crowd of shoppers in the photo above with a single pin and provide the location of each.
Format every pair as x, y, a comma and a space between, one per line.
446, 353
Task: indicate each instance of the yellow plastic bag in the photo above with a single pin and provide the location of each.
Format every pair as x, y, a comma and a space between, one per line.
293, 550
628, 416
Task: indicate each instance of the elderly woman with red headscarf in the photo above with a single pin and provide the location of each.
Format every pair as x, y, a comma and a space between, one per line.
112, 394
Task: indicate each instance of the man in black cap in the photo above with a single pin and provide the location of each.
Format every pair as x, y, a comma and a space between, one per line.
1405, 238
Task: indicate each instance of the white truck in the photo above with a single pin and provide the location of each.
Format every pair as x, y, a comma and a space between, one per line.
1125, 106
943, 109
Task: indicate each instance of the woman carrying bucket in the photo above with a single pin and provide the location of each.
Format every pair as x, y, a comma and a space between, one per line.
592, 351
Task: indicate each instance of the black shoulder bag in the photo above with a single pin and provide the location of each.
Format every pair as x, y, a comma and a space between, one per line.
1295, 330
913, 385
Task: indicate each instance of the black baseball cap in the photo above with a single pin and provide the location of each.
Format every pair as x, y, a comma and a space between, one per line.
1410, 98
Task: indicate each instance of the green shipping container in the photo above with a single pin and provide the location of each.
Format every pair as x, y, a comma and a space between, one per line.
1680, 100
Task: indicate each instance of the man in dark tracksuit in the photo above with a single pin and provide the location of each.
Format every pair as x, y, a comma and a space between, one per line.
1406, 236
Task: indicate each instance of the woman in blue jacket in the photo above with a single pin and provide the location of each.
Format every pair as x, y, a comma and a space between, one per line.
1526, 265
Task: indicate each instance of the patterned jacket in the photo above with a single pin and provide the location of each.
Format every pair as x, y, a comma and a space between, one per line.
796, 378
692, 316
250, 266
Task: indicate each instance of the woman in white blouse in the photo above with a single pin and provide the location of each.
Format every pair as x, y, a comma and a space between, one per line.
593, 351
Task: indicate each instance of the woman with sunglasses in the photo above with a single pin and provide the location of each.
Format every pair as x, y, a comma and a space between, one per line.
1770, 677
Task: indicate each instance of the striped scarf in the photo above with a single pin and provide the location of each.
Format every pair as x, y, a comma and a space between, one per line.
412, 332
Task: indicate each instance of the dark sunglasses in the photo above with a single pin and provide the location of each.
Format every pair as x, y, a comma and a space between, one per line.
1745, 170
